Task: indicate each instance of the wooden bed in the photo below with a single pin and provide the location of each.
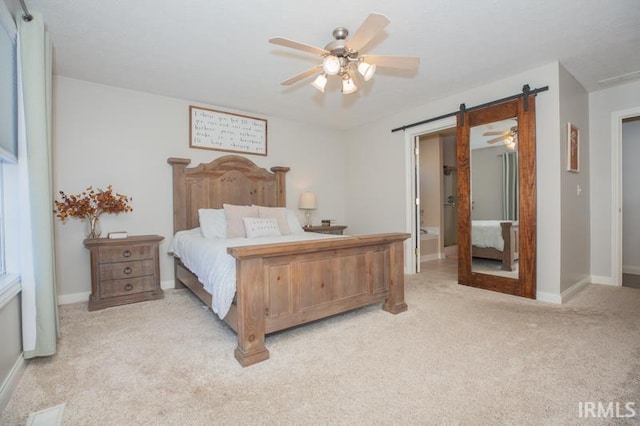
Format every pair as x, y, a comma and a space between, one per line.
509, 254
282, 285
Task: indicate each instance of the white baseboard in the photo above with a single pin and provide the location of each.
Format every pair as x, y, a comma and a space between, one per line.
544, 296
630, 269
66, 299
428, 257
574, 289
12, 380
598, 279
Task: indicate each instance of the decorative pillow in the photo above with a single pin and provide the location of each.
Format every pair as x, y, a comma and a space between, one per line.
261, 227
213, 223
293, 222
280, 213
234, 215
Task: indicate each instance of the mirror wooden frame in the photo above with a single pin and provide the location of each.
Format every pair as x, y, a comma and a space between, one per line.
525, 284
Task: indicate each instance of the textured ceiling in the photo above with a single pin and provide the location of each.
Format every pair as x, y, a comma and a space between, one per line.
217, 53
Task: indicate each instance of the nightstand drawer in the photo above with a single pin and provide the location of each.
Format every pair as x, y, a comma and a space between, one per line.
120, 270
125, 252
113, 288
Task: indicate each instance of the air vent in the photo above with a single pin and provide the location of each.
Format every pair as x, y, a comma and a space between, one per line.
620, 79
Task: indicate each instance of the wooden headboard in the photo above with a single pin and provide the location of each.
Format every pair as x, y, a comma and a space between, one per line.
230, 179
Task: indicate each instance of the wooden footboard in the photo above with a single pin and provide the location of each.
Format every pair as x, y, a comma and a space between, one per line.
509, 254
279, 286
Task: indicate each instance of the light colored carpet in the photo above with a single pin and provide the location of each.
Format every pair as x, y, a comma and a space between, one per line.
459, 355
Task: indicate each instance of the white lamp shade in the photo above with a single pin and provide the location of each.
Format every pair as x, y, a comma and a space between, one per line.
307, 201
366, 70
320, 82
331, 64
348, 86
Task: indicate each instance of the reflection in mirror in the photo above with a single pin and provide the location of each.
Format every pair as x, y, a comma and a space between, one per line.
494, 198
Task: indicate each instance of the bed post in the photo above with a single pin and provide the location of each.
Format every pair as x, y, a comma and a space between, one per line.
179, 193
395, 302
281, 190
251, 316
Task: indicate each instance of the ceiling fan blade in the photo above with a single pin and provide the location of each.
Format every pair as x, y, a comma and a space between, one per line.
498, 139
371, 26
496, 133
304, 74
389, 61
297, 45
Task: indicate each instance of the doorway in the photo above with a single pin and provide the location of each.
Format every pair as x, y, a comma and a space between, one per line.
617, 120
437, 192
412, 137
630, 202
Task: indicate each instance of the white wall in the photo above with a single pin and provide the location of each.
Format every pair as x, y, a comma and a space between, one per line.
486, 183
631, 197
575, 232
107, 135
386, 171
602, 104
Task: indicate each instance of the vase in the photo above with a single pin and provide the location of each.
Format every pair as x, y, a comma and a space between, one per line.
92, 227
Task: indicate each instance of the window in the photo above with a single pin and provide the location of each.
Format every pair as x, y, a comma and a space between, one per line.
9, 266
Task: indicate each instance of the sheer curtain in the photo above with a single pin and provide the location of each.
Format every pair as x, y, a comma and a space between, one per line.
37, 267
510, 186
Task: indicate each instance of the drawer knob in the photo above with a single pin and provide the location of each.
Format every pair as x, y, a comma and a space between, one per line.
127, 270
128, 287
126, 253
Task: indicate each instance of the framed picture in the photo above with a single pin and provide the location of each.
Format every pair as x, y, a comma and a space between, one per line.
573, 148
226, 131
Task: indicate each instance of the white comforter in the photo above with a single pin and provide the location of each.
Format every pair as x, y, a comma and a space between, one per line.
208, 259
487, 233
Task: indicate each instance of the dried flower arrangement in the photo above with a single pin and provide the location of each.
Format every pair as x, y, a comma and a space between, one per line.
90, 204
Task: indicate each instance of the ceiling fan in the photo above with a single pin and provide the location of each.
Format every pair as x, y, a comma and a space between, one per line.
342, 57
510, 137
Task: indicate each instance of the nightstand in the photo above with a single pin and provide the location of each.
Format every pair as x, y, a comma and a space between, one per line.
124, 270
333, 229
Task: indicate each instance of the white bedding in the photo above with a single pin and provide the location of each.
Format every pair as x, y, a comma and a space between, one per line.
208, 259
487, 233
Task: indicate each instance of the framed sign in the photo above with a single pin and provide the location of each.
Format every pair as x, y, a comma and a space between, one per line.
225, 131
573, 148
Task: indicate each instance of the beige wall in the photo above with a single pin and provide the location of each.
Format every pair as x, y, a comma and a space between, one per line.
107, 135
575, 227
430, 181
486, 183
10, 346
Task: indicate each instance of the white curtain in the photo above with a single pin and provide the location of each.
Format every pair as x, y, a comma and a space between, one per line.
37, 267
510, 186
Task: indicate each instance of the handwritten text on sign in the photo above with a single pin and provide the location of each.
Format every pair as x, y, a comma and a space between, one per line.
224, 131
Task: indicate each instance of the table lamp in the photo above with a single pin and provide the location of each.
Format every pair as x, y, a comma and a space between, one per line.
307, 202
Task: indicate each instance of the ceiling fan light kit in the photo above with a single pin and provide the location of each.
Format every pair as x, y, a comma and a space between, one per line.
348, 86
341, 57
320, 82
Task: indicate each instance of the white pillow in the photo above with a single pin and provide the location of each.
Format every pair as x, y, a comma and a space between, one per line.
213, 223
261, 227
293, 222
234, 215
280, 213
